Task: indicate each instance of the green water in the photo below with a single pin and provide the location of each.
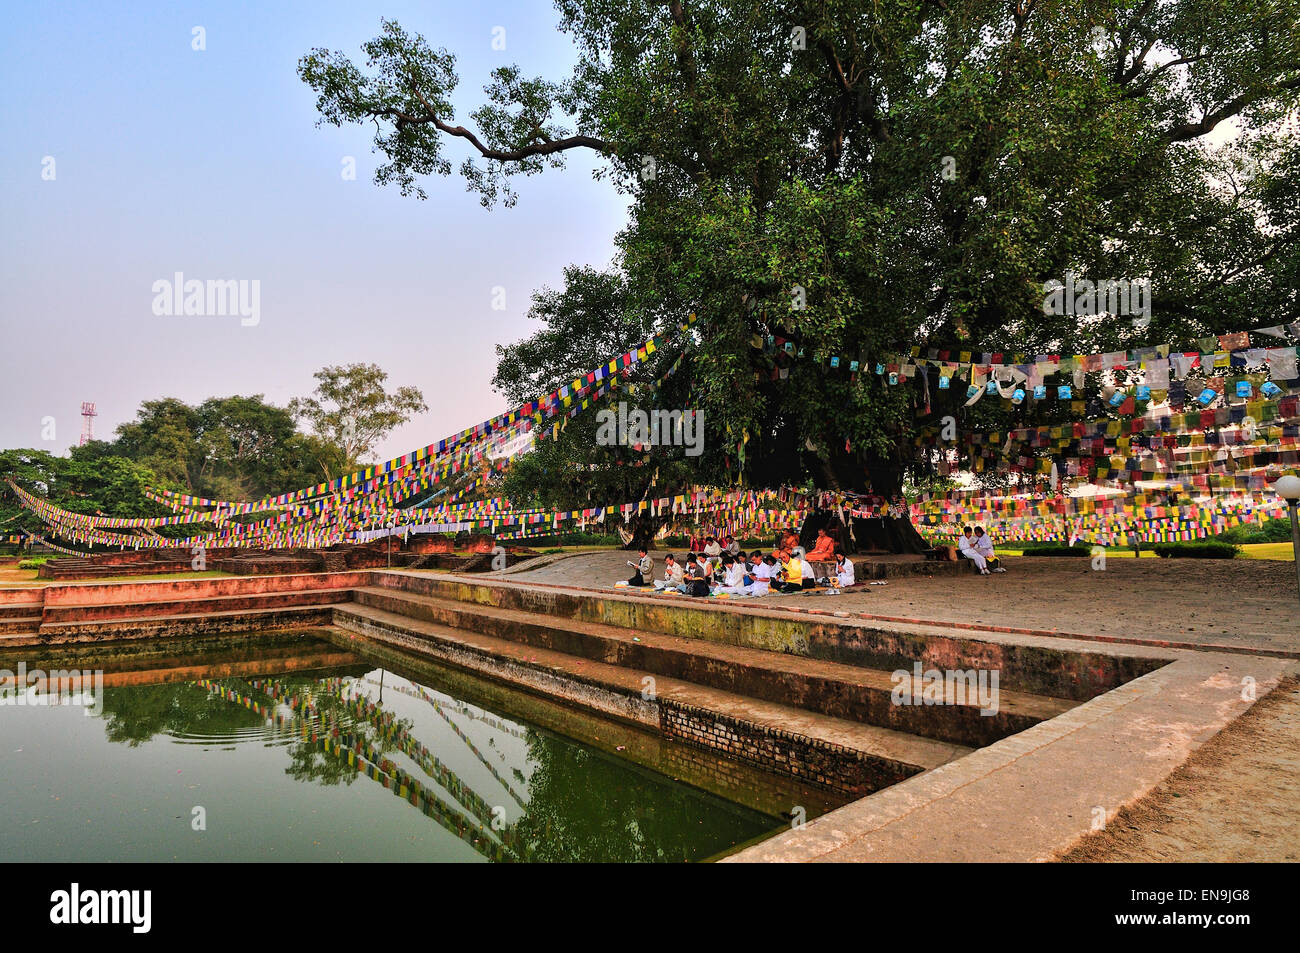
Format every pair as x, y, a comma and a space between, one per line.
180, 764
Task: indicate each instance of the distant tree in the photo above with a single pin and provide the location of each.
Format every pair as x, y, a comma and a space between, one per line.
230, 448
89, 482
351, 411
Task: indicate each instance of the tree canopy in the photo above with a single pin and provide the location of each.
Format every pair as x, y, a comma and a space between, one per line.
864, 177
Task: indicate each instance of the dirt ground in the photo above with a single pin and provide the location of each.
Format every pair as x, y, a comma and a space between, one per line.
1237, 799
13, 576
1243, 603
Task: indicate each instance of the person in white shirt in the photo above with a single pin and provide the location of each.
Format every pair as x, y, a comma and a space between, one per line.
809, 576
984, 546
843, 571
672, 574
966, 546
733, 578
763, 574
712, 554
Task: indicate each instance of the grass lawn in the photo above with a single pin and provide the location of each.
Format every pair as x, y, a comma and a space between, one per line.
1282, 551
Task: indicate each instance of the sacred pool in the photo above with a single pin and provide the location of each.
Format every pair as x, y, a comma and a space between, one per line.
307, 746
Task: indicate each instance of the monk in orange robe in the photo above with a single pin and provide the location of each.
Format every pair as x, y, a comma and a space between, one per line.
824, 550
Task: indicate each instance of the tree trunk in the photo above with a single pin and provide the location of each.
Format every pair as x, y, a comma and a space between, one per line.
879, 534
640, 531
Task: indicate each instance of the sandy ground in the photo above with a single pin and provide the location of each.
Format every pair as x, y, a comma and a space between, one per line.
12, 576
1236, 799
1244, 603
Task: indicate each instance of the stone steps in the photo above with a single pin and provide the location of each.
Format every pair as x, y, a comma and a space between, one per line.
11, 625
85, 569
825, 687
20, 610
838, 753
191, 606
179, 626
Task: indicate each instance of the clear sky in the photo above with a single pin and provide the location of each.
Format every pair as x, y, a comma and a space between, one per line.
209, 163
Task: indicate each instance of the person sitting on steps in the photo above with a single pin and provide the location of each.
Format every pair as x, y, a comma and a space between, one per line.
672, 574
790, 578
984, 546
644, 567
696, 578
966, 546
823, 550
843, 571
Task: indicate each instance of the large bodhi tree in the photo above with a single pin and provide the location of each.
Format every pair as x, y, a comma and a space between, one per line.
911, 170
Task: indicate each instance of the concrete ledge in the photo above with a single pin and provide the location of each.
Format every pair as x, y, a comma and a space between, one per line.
830, 688
1031, 796
106, 593
172, 627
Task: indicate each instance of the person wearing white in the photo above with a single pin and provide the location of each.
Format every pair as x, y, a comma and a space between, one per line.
984, 546
762, 574
733, 578
712, 553
967, 547
672, 575
809, 576
843, 571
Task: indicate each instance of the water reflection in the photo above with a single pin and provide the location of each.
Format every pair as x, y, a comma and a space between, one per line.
510, 791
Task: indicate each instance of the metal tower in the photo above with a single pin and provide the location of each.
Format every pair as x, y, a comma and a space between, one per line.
88, 416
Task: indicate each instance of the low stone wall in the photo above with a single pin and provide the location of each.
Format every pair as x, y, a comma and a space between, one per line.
831, 766
14, 597
195, 606
164, 628
189, 589
267, 565
1077, 675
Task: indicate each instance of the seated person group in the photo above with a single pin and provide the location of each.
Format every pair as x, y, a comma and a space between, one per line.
978, 548
721, 568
